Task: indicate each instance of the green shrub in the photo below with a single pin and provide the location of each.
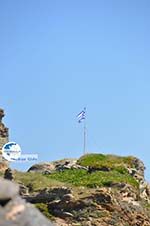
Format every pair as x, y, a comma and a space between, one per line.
110, 161
78, 177
35, 181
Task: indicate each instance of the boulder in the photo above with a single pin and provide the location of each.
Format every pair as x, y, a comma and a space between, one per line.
42, 168
8, 174
14, 211
8, 190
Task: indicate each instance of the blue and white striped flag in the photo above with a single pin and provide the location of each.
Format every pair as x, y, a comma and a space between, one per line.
81, 116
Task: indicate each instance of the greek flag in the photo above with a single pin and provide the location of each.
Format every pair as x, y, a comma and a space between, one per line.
81, 116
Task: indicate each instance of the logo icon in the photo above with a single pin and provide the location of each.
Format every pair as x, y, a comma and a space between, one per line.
11, 151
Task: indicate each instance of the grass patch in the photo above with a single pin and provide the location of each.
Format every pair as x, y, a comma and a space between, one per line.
117, 174
96, 179
110, 161
35, 180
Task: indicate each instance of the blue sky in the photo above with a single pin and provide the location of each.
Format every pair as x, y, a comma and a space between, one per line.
57, 57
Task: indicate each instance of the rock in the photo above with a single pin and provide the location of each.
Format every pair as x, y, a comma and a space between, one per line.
49, 195
8, 190
93, 169
66, 214
8, 174
3, 165
67, 197
137, 169
4, 137
62, 214
117, 203
139, 166
47, 172
148, 189
3, 130
48, 168
16, 212
102, 198
104, 206
23, 190
138, 174
144, 189
2, 114
61, 191
128, 192
68, 164
118, 185
19, 213
42, 167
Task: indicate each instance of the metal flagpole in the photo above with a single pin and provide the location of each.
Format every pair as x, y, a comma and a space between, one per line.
84, 142
85, 134
82, 116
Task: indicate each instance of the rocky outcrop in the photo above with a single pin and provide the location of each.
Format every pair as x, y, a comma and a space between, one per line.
4, 137
68, 164
116, 205
138, 173
47, 168
47, 195
42, 168
14, 211
3, 129
101, 207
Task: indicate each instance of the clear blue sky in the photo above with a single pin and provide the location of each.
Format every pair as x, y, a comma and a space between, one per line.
57, 57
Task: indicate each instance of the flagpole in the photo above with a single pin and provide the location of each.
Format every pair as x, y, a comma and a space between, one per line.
84, 141
85, 134
82, 116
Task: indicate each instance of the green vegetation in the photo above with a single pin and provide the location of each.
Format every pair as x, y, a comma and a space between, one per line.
74, 177
117, 173
93, 180
109, 161
44, 209
35, 181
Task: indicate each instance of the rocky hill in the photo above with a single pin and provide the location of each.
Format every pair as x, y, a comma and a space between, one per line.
93, 190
